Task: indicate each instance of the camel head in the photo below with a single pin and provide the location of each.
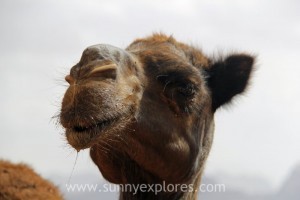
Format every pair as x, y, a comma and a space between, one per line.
146, 112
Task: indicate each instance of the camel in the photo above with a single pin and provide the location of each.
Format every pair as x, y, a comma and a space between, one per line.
147, 112
18, 181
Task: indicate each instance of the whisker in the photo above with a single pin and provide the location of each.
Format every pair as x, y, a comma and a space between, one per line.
73, 168
161, 75
167, 83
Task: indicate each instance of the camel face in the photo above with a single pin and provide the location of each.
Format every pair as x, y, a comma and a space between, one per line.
148, 110
103, 94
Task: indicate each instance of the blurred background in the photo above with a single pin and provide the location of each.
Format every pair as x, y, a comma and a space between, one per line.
256, 151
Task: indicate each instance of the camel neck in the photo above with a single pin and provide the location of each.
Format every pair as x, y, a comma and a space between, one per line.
142, 194
158, 192
140, 185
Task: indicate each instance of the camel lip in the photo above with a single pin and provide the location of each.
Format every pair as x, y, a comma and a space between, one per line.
82, 137
100, 125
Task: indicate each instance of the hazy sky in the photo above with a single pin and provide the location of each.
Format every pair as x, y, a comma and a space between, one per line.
40, 40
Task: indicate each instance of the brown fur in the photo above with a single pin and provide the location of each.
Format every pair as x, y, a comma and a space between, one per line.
146, 112
20, 182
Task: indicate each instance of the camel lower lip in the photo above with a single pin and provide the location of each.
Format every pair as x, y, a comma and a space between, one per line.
100, 125
83, 137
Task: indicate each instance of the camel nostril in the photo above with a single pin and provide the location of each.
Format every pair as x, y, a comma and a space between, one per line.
70, 79
105, 71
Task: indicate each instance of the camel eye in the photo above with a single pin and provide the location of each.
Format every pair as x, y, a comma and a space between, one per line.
187, 90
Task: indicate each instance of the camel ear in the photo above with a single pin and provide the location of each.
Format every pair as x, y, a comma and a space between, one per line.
229, 77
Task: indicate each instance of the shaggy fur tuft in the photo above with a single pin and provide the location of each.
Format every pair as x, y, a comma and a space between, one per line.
20, 182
